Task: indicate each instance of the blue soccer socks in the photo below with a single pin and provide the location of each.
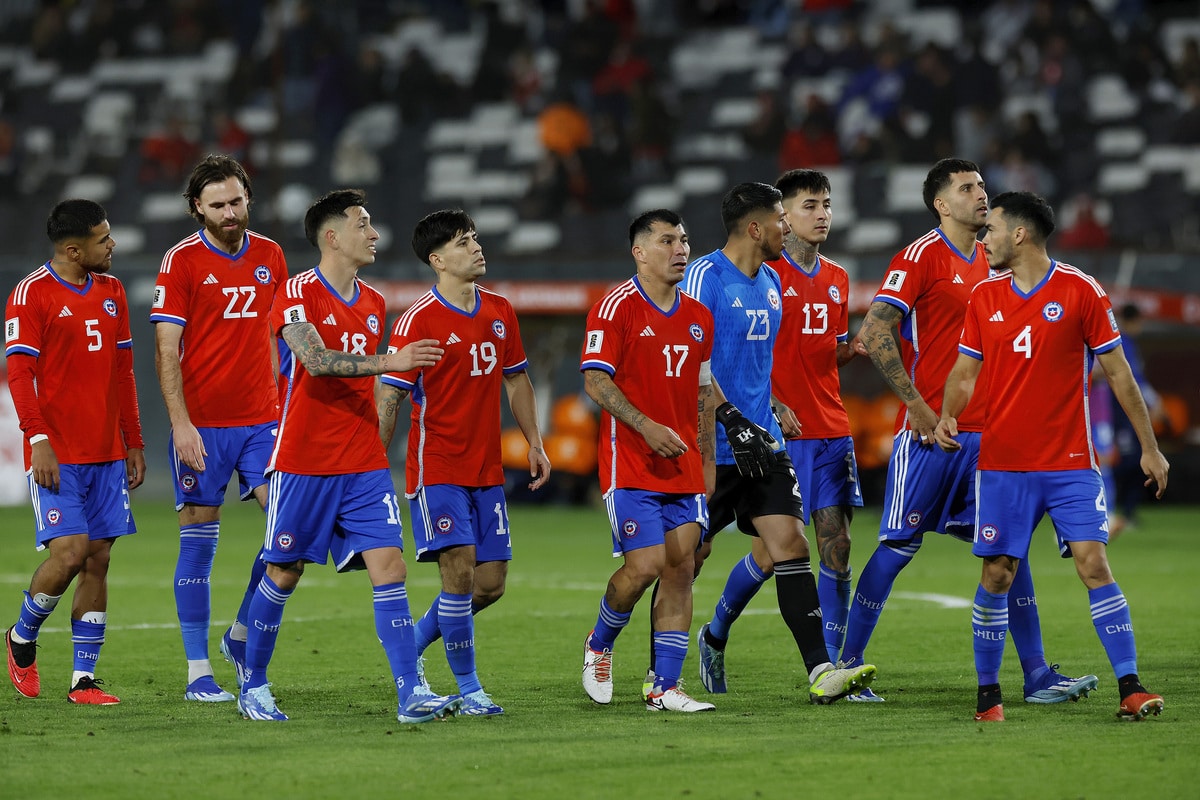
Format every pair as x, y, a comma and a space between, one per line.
193, 571
744, 581
833, 589
989, 627
874, 585
266, 615
1110, 616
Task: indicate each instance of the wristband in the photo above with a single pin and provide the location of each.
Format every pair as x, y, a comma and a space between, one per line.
38, 437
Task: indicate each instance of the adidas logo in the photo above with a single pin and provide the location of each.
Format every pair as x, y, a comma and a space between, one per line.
329, 320
647, 331
453, 338
66, 312
791, 292
997, 317
737, 302
211, 279
958, 279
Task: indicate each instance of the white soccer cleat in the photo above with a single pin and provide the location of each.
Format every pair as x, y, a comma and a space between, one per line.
597, 673
831, 683
675, 699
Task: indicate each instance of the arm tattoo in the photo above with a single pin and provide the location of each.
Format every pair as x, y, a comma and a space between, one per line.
310, 350
833, 537
878, 337
706, 433
387, 404
600, 387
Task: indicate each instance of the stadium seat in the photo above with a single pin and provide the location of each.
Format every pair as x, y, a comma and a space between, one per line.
1109, 99
1174, 422
571, 454
873, 234
514, 450
904, 185
1122, 142
1116, 178
533, 237
572, 414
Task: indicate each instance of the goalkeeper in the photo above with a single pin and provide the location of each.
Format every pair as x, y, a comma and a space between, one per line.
756, 484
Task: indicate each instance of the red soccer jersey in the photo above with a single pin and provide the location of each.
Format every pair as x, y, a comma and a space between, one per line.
223, 302
328, 425
654, 358
1037, 350
455, 433
79, 391
815, 319
930, 281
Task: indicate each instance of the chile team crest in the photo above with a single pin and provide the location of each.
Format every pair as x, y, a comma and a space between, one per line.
262, 274
989, 533
187, 482
696, 331
444, 524
373, 323
913, 518
773, 298
629, 528
835, 294
110, 307
499, 329
53, 516
1052, 311
285, 541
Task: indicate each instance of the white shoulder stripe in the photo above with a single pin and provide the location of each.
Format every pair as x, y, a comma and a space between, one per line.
21, 293
913, 251
406, 319
1067, 268
609, 305
170, 254
695, 276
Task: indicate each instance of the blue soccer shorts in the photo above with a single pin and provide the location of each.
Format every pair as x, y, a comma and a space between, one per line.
445, 516
91, 499
1011, 504
929, 489
246, 448
827, 473
312, 517
642, 519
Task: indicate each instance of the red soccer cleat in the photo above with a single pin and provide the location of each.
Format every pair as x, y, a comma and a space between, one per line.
22, 665
87, 692
993, 714
1140, 705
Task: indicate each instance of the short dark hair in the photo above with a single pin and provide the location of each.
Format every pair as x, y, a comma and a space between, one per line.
214, 168
328, 206
74, 219
745, 199
938, 179
795, 181
436, 229
644, 222
1030, 209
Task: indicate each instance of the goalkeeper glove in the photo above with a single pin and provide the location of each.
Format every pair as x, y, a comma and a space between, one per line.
753, 447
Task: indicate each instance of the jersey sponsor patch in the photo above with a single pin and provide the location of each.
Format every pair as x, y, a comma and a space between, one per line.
1112, 320
294, 314
895, 280
160, 297
595, 341
12, 329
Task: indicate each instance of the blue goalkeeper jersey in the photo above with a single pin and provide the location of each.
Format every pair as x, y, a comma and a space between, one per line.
746, 313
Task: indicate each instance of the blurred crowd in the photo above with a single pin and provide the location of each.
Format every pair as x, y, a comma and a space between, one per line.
596, 74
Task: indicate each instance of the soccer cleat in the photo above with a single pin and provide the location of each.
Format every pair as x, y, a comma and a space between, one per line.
865, 696
1139, 706
206, 690
235, 653
597, 673
675, 699
712, 664
87, 692
648, 684
478, 704
993, 714
1056, 688
22, 665
835, 682
425, 706
258, 703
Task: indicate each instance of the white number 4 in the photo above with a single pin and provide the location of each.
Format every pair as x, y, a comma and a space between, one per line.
1024, 343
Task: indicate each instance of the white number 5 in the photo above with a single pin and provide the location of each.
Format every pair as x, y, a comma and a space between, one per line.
93, 334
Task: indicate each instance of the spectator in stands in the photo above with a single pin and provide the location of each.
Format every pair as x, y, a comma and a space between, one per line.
807, 58
10, 159
1186, 129
587, 44
613, 84
1187, 68
875, 92
1085, 230
926, 111
813, 143
525, 80
765, 132
425, 94
229, 138
652, 128
168, 152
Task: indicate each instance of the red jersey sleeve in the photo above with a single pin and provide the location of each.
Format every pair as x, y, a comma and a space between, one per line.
970, 343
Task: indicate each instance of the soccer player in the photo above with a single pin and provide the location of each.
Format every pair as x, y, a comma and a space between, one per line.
453, 472
745, 297
1036, 332
813, 342
219, 385
924, 296
70, 371
331, 491
646, 363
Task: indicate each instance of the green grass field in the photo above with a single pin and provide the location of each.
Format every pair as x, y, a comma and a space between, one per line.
764, 740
